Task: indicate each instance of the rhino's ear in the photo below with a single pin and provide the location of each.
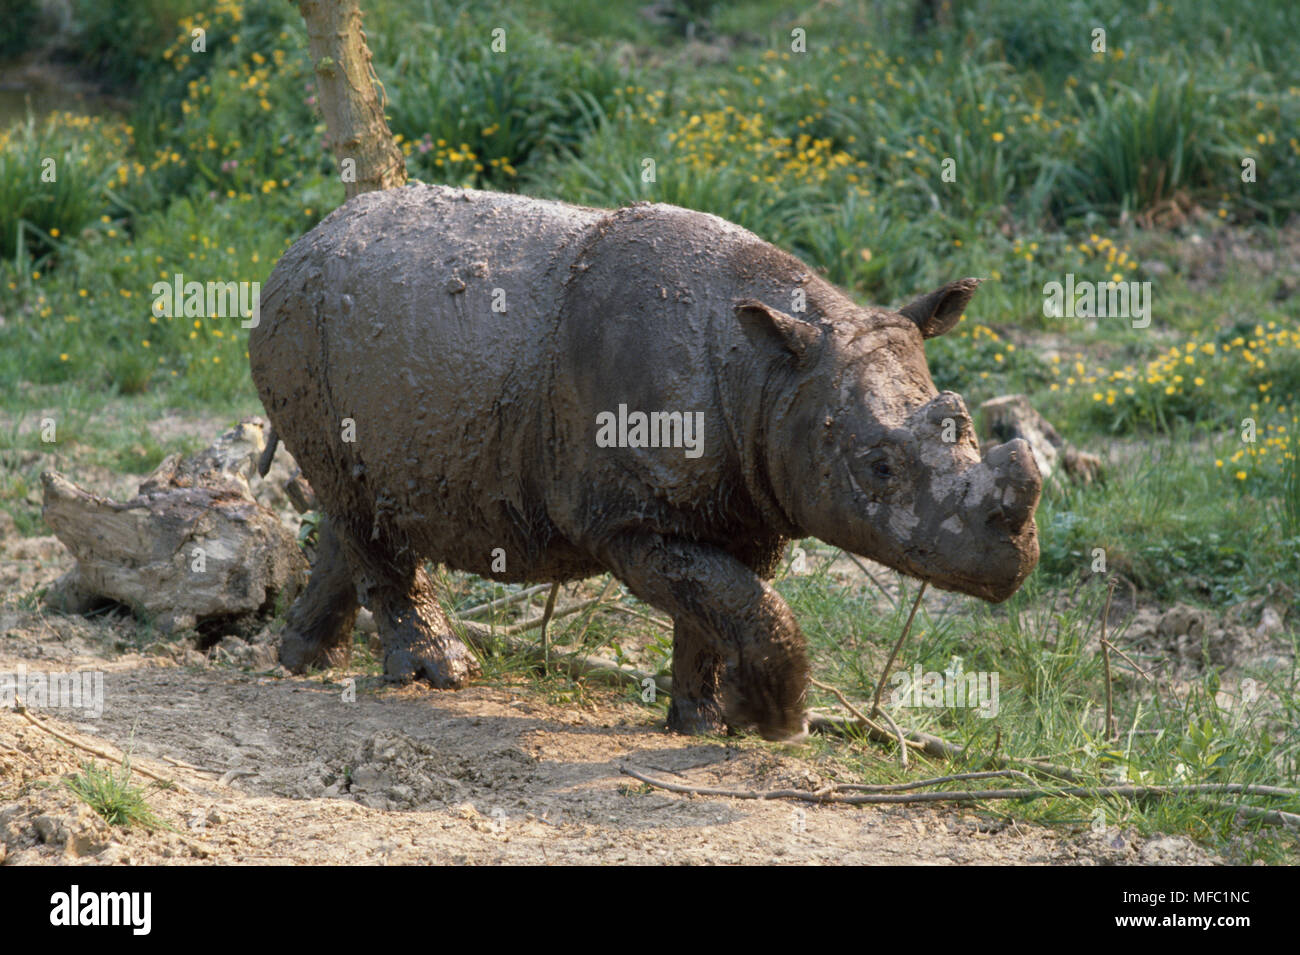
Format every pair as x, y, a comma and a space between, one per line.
800, 338
939, 311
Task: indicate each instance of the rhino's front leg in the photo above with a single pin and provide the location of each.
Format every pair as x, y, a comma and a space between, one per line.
697, 682
725, 618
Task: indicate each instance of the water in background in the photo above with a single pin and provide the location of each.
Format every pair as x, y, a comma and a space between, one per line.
35, 84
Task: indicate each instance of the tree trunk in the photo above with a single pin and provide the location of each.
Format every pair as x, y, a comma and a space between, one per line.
358, 134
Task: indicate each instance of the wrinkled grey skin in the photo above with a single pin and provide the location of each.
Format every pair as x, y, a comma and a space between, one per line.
476, 430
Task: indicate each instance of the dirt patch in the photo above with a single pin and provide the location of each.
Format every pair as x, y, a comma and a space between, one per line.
1211, 252
287, 771
316, 770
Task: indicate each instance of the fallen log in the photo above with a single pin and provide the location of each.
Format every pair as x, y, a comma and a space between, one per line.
191, 547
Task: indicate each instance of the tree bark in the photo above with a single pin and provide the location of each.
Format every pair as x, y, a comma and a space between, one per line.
357, 132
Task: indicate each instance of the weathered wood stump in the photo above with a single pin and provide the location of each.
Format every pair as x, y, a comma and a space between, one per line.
191, 547
1011, 416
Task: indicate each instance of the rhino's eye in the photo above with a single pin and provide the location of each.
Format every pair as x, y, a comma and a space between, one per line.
878, 461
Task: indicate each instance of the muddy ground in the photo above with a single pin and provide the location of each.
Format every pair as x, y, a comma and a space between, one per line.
278, 769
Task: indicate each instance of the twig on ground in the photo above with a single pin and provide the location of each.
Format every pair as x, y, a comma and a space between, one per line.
547, 611
932, 745
197, 769
661, 624
1112, 726
533, 623
1275, 817
837, 794
501, 601
902, 638
936, 781
94, 751
902, 740
1133, 663
872, 577
610, 584
867, 722
232, 774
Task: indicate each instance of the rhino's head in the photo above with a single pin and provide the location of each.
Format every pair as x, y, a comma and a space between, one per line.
865, 454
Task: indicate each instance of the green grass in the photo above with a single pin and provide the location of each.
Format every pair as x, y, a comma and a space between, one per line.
837, 153
113, 796
1051, 700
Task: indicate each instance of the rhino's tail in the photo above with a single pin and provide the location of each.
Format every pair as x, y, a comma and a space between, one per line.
264, 462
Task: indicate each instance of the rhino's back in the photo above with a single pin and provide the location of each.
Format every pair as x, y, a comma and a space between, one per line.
423, 277
426, 316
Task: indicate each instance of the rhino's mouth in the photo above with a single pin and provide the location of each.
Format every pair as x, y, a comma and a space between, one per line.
975, 554
991, 582
992, 591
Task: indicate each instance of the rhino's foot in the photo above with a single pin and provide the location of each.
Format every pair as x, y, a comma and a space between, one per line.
696, 717
771, 722
299, 652
785, 732
418, 640
695, 709
444, 661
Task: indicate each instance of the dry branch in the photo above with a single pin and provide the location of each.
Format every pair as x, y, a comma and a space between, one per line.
903, 742
94, 751
902, 638
501, 601
1112, 727
838, 794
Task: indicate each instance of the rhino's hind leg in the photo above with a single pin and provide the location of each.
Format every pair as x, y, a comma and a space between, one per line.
319, 624
696, 706
417, 636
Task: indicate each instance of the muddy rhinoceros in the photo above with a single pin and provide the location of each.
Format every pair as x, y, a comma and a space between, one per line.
534, 391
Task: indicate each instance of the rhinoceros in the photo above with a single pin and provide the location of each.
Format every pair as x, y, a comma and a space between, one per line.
534, 391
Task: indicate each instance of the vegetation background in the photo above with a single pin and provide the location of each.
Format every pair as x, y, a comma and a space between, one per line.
1123, 164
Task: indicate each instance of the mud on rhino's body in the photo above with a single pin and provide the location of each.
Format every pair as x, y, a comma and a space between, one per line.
437, 359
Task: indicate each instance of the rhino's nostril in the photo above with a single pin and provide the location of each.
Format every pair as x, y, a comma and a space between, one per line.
1015, 509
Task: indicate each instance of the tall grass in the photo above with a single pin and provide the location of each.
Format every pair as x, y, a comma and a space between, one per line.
54, 179
1139, 147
